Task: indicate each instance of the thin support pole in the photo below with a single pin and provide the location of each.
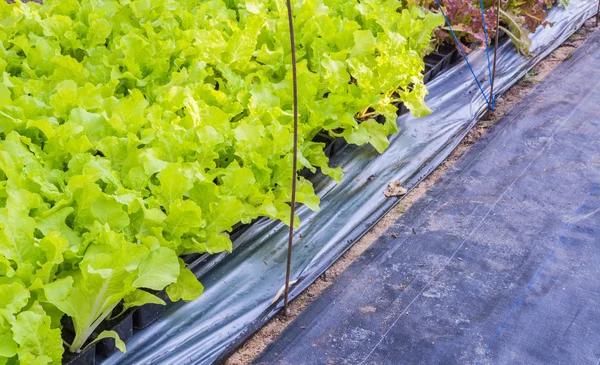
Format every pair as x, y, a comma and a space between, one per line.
295, 158
492, 97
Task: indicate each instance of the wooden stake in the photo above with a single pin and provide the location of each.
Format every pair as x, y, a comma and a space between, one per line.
295, 157
496, 50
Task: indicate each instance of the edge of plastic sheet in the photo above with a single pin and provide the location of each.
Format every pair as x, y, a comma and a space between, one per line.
240, 288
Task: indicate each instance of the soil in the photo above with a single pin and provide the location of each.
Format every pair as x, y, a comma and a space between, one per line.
257, 343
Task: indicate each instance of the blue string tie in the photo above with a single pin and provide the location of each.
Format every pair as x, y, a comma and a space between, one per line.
492, 100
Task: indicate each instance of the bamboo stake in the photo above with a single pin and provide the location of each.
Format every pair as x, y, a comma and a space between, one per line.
295, 157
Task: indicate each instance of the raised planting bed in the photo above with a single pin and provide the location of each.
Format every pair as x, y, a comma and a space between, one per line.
137, 136
241, 290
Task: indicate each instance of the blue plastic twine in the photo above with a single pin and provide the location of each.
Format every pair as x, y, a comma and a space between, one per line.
492, 101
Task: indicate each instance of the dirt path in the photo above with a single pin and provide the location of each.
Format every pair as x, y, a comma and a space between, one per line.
273, 328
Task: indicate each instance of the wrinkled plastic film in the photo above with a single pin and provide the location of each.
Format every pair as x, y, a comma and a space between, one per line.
241, 287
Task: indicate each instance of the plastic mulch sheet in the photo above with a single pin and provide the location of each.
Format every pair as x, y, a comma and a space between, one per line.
497, 262
240, 288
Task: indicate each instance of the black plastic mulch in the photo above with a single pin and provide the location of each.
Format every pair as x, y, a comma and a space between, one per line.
499, 263
240, 288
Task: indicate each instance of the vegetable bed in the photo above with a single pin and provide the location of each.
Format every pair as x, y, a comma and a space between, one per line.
136, 132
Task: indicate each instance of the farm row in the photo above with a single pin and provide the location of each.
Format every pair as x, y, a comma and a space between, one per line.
133, 133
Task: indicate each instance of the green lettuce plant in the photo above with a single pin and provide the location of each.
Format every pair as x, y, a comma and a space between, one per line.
136, 131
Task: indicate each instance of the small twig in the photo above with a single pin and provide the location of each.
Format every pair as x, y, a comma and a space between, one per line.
280, 291
295, 157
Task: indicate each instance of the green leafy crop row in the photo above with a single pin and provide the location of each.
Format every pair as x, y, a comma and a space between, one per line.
136, 131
